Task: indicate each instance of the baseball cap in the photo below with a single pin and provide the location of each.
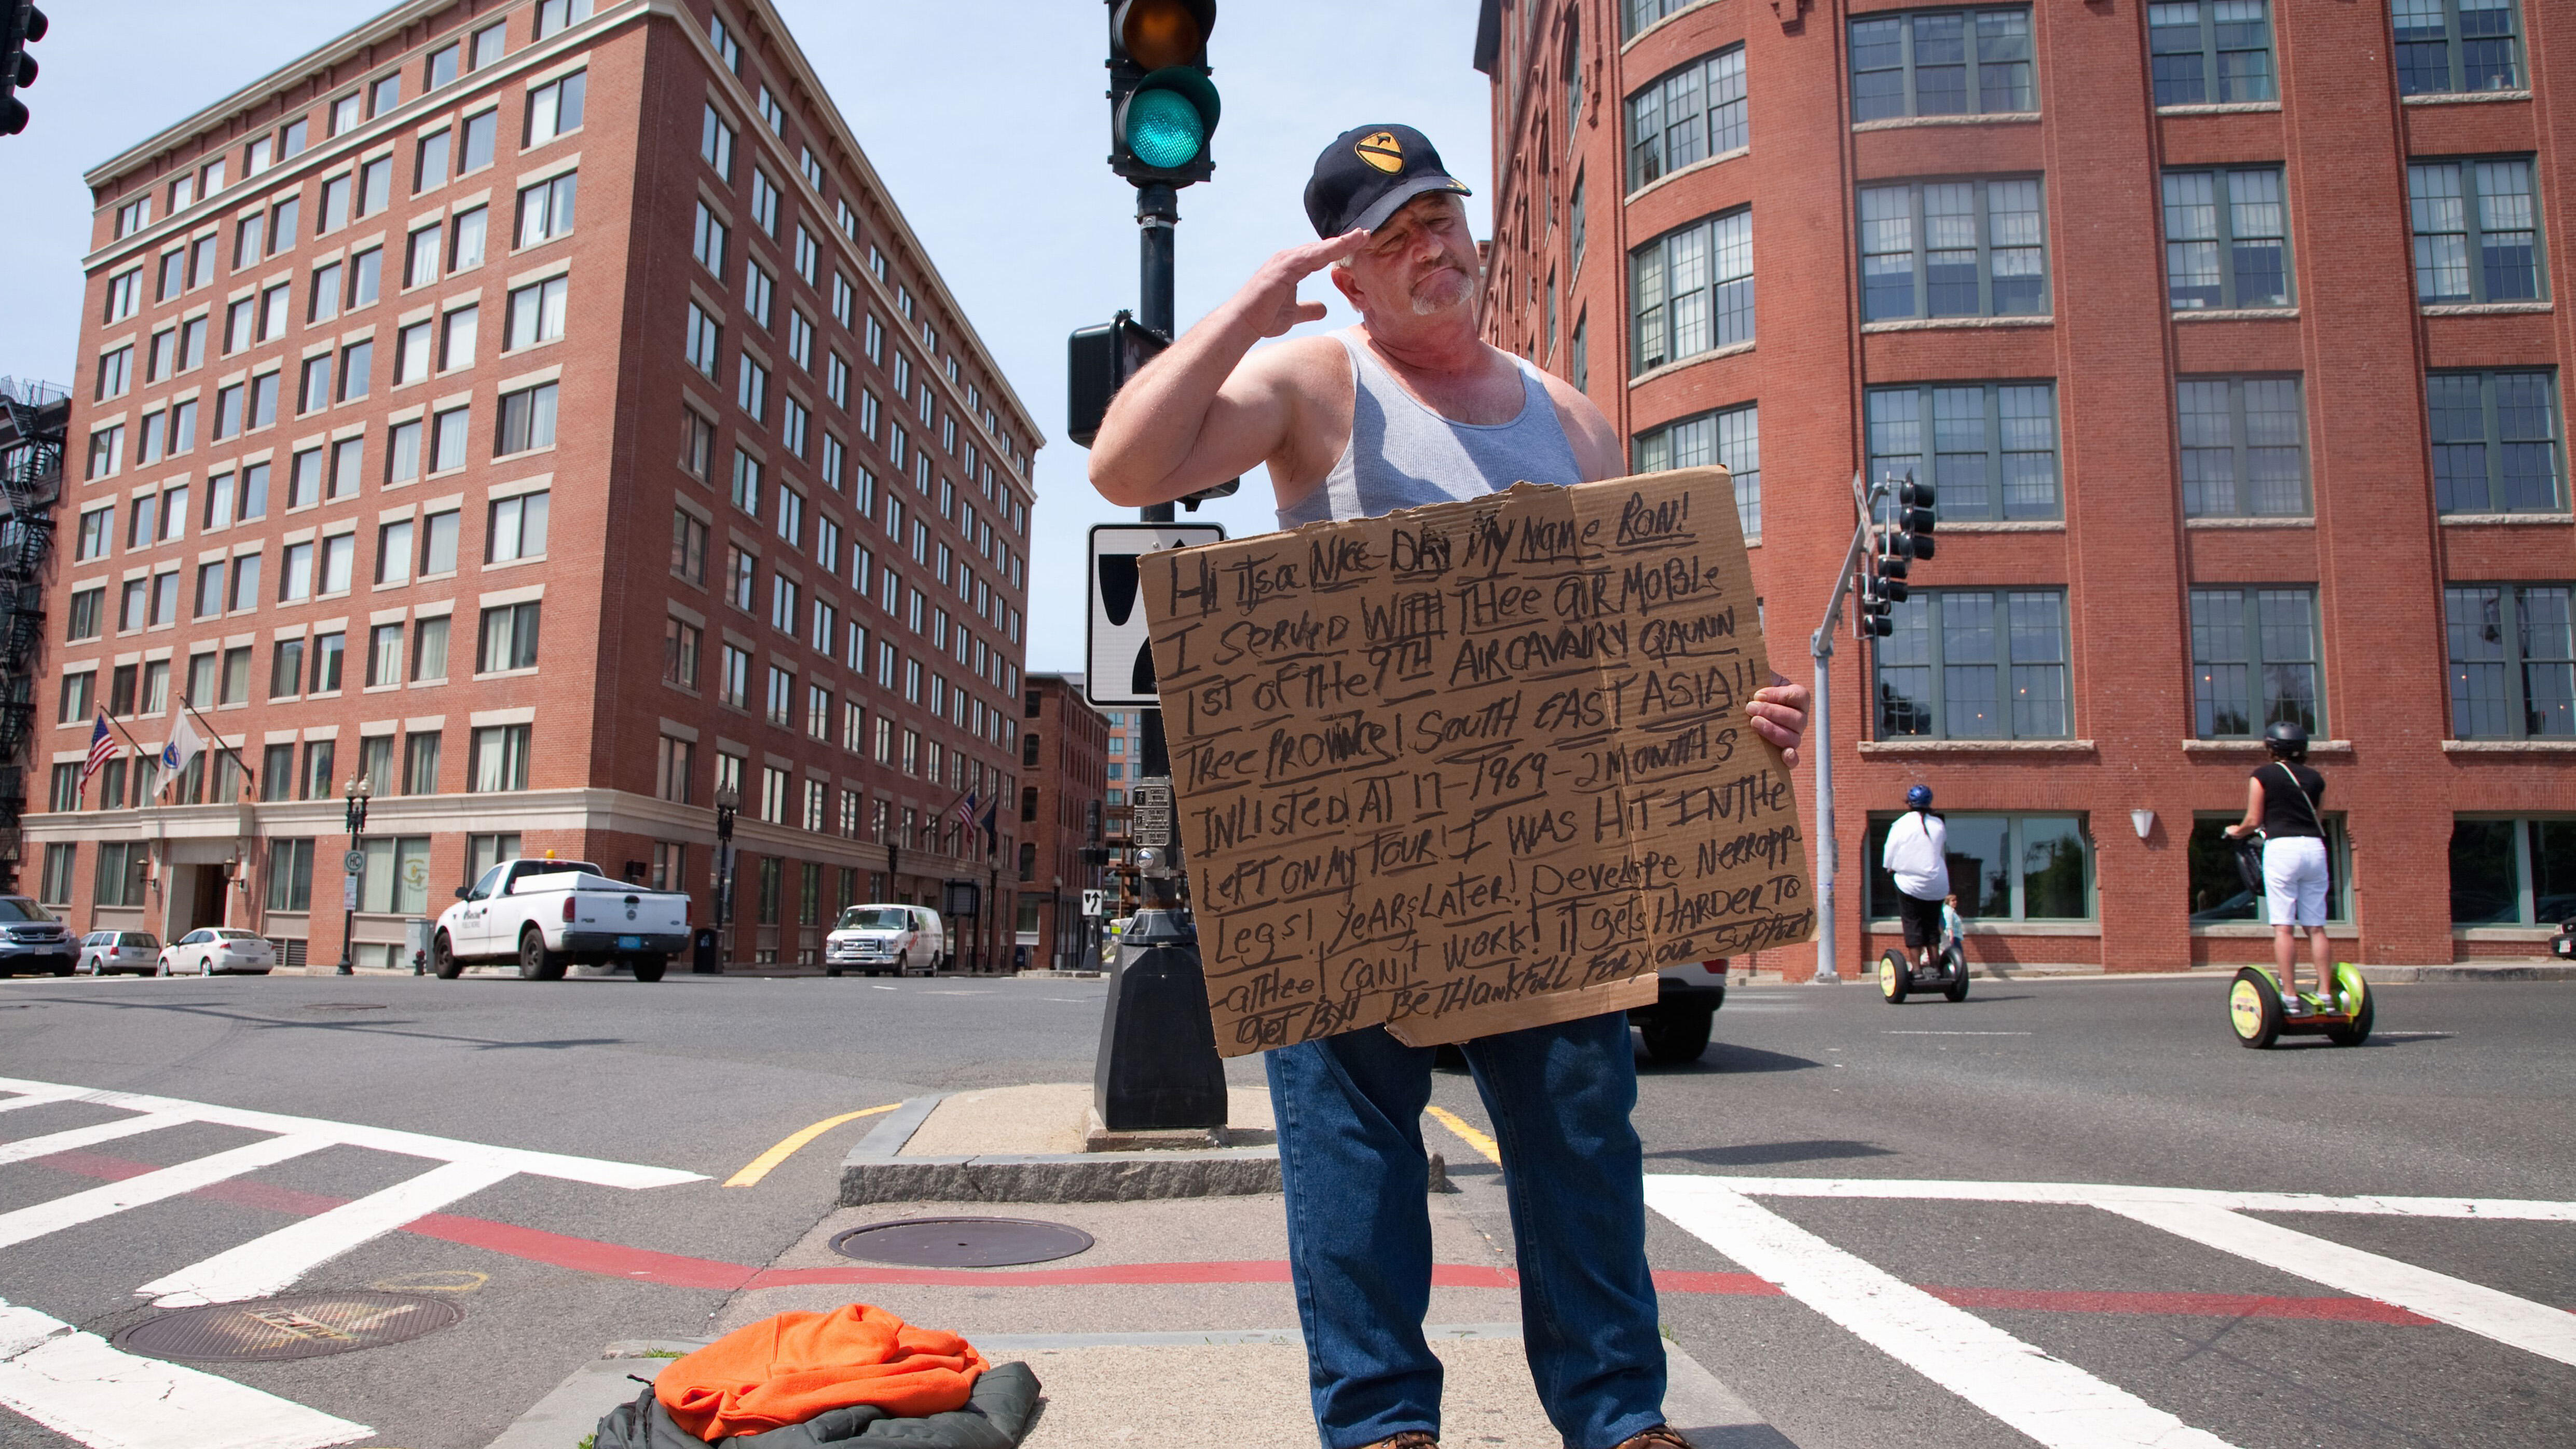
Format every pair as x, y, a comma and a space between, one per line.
1367, 173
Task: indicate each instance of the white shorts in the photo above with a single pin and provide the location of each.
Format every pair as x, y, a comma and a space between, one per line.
2294, 881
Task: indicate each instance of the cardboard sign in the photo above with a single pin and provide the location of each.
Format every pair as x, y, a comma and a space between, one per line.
1473, 767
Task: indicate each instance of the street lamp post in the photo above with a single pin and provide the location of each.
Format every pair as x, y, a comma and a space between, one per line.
357, 791
728, 801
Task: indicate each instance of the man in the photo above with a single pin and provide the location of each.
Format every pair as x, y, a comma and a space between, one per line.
1411, 408
1917, 854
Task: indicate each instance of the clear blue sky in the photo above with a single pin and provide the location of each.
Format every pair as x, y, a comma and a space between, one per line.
986, 121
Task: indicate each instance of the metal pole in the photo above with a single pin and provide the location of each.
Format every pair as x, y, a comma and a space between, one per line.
1822, 646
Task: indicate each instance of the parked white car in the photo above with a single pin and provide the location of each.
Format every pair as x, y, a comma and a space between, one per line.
105, 953
873, 940
217, 949
549, 915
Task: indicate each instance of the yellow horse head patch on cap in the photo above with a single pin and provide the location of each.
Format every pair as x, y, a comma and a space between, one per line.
1381, 150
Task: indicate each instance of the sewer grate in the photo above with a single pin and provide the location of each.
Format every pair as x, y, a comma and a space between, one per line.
961, 1242
298, 1325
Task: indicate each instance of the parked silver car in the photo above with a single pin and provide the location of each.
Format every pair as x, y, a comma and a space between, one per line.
217, 948
32, 940
106, 953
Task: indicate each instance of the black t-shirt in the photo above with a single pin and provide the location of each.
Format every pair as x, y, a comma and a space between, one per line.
2283, 815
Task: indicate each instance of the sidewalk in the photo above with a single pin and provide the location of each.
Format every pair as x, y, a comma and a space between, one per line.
1178, 1326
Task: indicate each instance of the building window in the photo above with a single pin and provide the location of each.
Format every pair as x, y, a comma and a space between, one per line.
2477, 236
675, 770
2513, 872
537, 312
2226, 239
680, 645
507, 638
1941, 63
2002, 867
501, 758
396, 880
2253, 661
1974, 664
705, 346
2449, 46
527, 420
1694, 289
290, 875
555, 107
1692, 114
715, 145
733, 676
1992, 447
2513, 661
2495, 442
56, 887
546, 209
2211, 50
688, 546
2218, 894
1731, 437
1953, 249
707, 243
2242, 448
420, 762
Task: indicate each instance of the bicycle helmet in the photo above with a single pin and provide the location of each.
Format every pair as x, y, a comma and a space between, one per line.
1919, 798
2287, 739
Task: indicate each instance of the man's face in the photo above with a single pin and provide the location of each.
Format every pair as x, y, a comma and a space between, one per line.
1422, 262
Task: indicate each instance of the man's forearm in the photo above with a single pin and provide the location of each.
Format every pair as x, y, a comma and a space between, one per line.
1156, 420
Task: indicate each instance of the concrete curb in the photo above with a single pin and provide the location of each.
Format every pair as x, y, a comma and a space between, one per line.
876, 1172
1695, 1401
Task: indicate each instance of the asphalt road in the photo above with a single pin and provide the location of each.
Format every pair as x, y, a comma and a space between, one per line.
2465, 1093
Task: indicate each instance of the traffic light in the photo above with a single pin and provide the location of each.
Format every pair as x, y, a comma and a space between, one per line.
21, 25
1162, 110
1878, 598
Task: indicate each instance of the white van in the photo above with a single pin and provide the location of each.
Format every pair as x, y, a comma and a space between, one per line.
873, 940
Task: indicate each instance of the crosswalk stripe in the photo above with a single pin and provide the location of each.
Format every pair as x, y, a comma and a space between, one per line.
38, 1099
266, 1264
90, 1136
115, 1197
2105, 1194
82, 1387
2047, 1398
2518, 1322
592, 1170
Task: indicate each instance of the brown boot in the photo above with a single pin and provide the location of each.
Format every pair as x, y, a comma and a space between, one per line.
1410, 1439
1662, 1436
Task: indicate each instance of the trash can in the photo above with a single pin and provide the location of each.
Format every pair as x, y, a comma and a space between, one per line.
702, 952
416, 944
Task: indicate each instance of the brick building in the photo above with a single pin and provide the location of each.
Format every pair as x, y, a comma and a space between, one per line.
727, 493
2226, 330
1064, 755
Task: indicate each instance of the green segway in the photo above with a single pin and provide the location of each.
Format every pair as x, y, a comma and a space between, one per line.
2261, 1016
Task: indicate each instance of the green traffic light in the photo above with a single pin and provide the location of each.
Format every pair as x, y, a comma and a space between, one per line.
1164, 129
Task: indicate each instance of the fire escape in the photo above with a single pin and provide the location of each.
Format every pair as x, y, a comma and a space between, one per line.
32, 420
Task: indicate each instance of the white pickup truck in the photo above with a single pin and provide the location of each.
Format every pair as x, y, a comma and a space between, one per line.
551, 914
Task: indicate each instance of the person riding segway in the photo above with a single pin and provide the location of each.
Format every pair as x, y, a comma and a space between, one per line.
2281, 811
1917, 856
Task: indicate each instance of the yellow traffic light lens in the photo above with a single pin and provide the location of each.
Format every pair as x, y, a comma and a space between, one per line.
1158, 33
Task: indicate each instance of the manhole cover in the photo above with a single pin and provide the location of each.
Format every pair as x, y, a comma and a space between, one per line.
300, 1325
961, 1242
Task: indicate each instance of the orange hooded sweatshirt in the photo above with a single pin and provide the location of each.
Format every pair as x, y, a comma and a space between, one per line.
788, 1368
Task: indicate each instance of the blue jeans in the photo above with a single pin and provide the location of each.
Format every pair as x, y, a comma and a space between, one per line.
1359, 1230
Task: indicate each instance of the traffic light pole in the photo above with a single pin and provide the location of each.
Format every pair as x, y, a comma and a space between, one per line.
1820, 740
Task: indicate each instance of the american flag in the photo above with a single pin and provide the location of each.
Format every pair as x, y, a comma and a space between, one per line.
102, 748
965, 810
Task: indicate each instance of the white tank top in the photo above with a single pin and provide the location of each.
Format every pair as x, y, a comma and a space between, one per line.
1403, 455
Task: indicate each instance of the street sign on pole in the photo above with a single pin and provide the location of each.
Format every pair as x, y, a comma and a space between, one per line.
1091, 903
354, 862
1119, 660
1149, 813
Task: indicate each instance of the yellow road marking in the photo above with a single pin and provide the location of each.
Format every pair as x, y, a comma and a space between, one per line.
759, 1167
1493, 1152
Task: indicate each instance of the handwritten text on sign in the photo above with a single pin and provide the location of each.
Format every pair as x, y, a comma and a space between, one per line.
1472, 755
